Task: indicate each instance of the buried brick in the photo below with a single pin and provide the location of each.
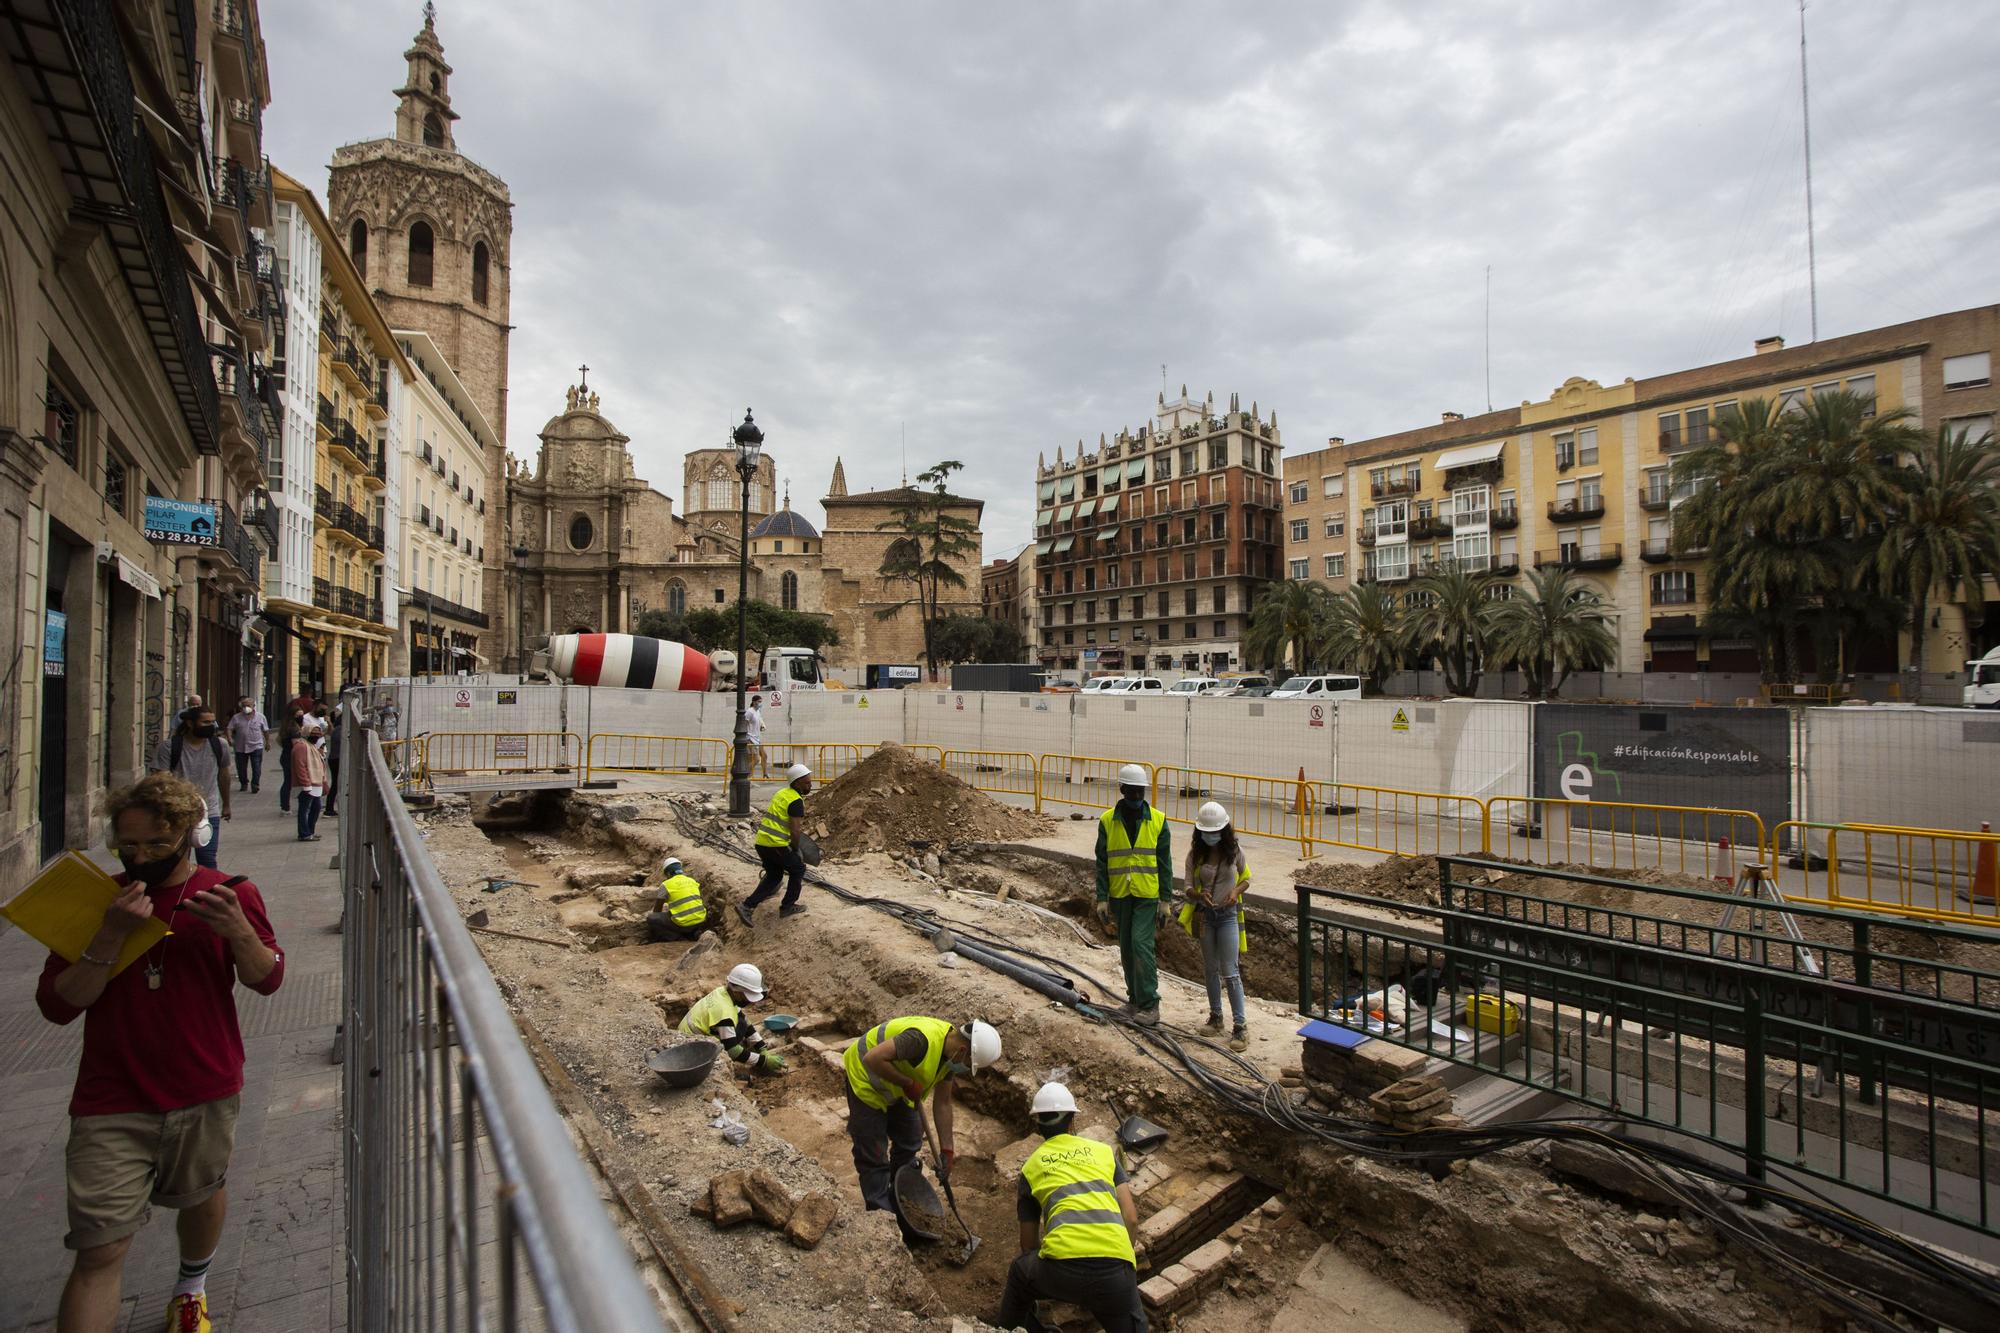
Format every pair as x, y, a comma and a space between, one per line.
771, 1201
811, 1217
729, 1205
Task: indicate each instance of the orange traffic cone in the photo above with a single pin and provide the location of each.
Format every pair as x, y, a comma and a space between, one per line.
1986, 870
1725, 864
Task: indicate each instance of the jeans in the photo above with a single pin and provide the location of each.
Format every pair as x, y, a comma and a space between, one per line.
205, 856
284, 785
309, 805
884, 1143
1138, 923
249, 769
1107, 1287
1219, 935
779, 862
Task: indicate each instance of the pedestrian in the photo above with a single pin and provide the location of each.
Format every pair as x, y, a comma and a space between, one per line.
1135, 879
246, 735
1077, 1218
891, 1068
305, 703
681, 914
308, 766
153, 1115
778, 846
387, 719
195, 754
753, 732
719, 1014
1216, 879
288, 733
331, 729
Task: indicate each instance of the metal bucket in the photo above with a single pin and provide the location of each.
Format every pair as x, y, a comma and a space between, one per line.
684, 1065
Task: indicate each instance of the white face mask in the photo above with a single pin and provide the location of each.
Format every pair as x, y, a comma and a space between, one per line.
1212, 839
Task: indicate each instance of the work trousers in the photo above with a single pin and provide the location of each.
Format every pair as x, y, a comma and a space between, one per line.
779, 862
249, 769
884, 1143
660, 928
1138, 923
1108, 1288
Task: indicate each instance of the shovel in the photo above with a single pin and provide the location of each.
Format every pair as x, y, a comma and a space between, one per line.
972, 1242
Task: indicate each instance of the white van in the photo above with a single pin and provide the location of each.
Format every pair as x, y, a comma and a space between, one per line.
1194, 685
1319, 688
1102, 684
1136, 685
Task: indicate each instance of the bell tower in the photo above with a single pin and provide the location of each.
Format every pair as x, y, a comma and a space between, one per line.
424, 116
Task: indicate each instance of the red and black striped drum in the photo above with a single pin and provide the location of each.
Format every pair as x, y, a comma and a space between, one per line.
627, 661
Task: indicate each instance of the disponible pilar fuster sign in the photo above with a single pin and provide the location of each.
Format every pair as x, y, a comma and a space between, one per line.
180, 522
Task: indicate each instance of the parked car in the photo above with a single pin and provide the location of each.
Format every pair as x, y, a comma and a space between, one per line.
1253, 691
1101, 684
1237, 686
1059, 685
1195, 685
1319, 688
1136, 685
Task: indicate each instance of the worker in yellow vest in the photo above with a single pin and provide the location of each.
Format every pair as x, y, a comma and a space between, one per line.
719, 1014
778, 835
682, 915
1135, 879
1077, 1217
891, 1068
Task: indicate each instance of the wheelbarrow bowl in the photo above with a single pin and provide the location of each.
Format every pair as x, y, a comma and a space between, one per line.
684, 1065
808, 849
918, 1204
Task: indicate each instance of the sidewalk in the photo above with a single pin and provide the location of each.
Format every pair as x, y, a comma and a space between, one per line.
282, 1263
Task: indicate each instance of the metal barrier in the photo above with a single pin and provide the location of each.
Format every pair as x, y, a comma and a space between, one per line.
827, 759
1922, 873
469, 753
1397, 821
1008, 772
1259, 807
1082, 779
1620, 835
407, 762
616, 752
934, 753
467, 1206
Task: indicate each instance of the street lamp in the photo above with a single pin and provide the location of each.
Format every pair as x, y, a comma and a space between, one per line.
749, 441
520, 630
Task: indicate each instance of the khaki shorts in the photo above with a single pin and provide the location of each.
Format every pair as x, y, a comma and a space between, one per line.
120, 1165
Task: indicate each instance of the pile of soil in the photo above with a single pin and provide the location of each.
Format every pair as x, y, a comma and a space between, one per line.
892, 799
1402, 879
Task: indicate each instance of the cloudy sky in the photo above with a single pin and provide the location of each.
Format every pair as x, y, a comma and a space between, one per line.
989, 226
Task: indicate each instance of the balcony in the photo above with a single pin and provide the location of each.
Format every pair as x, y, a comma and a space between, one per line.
1673, 597
1429, 529
245, 121
323, 594
1489, 473
323, 504
233, 541
1581, 557
329, 329
1576, 511
326, 422
235, 57
1676, 442
1390, 489
1504, 518
347, 365
423, 605
1656, 550
1655, 498
348, 447
1506, 565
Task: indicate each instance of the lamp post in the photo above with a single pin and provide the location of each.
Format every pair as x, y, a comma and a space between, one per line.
749, 441
520, 630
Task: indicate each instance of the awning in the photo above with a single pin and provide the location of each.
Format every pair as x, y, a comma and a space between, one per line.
1063, 544
1672, 627
1086, 509
1066, 513
1042, 546
1044, 517
138, 578
1470, 454
1109, 476
1108, 505
1069, 488
1135, 470
1048, 491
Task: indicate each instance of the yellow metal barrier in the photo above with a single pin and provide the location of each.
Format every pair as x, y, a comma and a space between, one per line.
1397, 821
827, 759
1009, 772
472, 753
405, 759
1620, 835
1259, 807
1083, 779
1923, 873
923, 751
619, 752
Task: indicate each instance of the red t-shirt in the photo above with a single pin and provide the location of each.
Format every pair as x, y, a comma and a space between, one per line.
160, 1050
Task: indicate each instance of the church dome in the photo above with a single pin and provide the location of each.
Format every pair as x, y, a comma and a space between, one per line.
784, 523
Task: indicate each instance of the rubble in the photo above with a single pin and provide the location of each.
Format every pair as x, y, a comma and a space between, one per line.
734, 1197
1411, 1103
893, 799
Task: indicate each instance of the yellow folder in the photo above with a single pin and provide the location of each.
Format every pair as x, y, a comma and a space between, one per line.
64, 905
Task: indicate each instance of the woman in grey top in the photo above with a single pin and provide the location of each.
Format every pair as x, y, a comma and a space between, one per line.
1217, 878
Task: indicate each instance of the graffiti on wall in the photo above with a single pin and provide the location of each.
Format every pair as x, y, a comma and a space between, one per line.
155, 705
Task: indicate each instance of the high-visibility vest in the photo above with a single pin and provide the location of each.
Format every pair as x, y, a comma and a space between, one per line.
717, 1006
776, 830
1072, 1179
1133, 863
683, 900
871, 1090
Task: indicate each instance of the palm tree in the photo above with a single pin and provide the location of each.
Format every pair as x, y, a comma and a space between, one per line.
1837, 470
1451, 615
1364, 634
1289, 617
1558, 628
1943, 534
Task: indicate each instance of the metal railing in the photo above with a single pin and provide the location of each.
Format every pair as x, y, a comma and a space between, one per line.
1082, 779
469, 753
1926, 874
1259, 807
1618, 835
694, 756
437, 1084
1397, 821
1003, 772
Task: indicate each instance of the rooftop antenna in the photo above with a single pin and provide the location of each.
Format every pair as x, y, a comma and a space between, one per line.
1805, 109
1489, 337
904, 426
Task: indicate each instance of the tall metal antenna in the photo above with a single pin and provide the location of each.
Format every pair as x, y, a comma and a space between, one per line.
904, 426
1489, 337
1805, 108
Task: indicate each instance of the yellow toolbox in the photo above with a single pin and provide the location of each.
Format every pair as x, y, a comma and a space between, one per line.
1490, 1013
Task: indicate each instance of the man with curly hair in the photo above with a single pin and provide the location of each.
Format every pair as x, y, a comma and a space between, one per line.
153, 1116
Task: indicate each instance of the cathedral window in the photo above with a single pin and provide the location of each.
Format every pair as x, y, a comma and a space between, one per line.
437, 84
479, 264
677, 598
580, 532
721, 494
357, 245
420, 254
433, 131
788, 591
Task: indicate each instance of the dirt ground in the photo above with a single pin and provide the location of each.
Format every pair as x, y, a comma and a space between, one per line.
893, 799
1493, 1245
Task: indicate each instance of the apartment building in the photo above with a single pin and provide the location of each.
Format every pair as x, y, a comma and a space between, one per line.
1581, 480
442, 534
1149, 551
1007, 591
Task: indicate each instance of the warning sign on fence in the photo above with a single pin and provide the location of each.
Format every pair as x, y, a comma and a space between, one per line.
862, 702
1317, 718
505, 698
461, 699
510, 747
1400, 722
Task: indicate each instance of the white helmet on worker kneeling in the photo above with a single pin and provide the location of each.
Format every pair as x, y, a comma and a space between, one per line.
985, 1044
747, 978
797, 771
1134, 775
1211, 818
1053, 1099
672, 867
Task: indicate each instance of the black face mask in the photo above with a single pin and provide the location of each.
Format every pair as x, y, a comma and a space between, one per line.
153, 873
205, 730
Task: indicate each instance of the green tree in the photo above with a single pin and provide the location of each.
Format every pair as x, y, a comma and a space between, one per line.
1450, 617
962, 638
1290, 617
713, 628
662, 625
1559, 627
1943, 533
1363, 633
929, 545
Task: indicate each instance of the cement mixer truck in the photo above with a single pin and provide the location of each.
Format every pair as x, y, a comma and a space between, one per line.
787, 669
626, 661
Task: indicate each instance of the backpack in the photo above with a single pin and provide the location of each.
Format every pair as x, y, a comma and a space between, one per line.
215, 747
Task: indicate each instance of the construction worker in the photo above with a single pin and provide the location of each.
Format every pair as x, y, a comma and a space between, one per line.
778, 846
719, 1014
682, 914
1135, 878
1077, 1218
891, 1068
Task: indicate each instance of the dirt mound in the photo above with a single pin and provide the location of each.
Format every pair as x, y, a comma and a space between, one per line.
893, 798
1403, 879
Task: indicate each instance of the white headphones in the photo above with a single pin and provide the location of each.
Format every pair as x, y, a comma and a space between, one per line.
203, 832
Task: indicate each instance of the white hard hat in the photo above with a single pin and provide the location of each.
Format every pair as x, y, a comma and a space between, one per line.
1053, 1099
985, 1044
1211, 818
1134, 775
797, 771
672, 868
746, 978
